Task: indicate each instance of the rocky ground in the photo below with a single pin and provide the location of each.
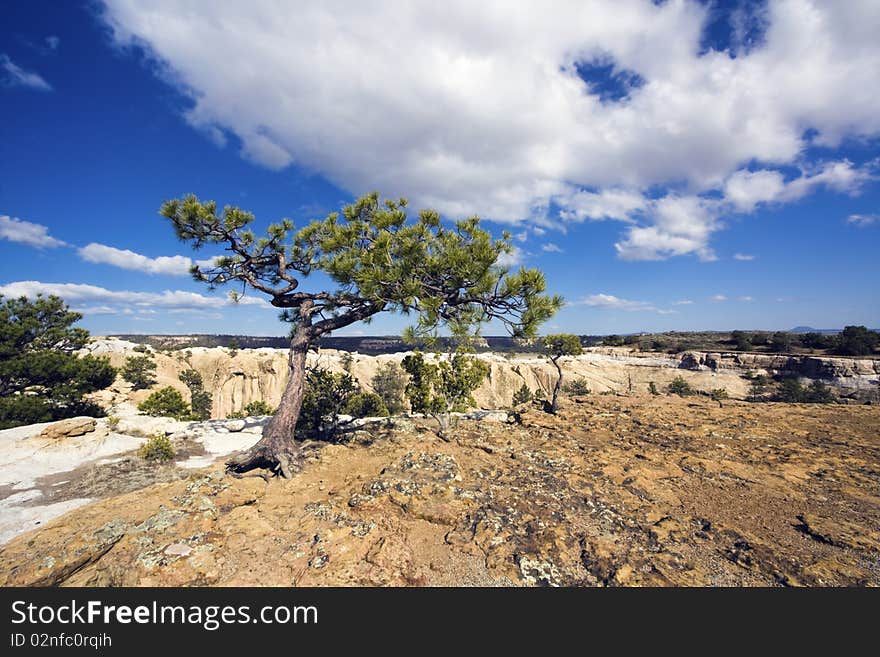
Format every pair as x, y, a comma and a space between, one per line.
614, 491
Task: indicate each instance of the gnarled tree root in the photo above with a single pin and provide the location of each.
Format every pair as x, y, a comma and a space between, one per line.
282, 462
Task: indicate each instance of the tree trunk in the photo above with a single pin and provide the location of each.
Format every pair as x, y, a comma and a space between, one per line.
277, 449
553, 402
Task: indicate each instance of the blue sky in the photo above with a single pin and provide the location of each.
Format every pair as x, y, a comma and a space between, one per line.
670, 166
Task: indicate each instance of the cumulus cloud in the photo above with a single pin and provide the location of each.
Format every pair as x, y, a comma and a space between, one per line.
611, 302
25, 232
12, 75
863, 220
515, 258
487, 112
123, 258
83, 296
746, 189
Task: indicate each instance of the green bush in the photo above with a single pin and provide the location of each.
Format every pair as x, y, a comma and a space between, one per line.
258, 407
157, 448
389, 383
325, 398
201, 401
166, 402
652, 388
523, 395
741, 340
366, 404
857, 341
781, 342
719, 395
576, 387
819, 393
680, 387
440, 388
139, 371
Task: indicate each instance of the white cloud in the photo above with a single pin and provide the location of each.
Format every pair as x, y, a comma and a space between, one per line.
745, 257
550, 247
746, 189
521, 236
486, 114
863, 220
680, 225
12, 75
25, 232
611, 301
125, 259
538, 231
719, 297
746, 298
125, 301
513, 259
683, 302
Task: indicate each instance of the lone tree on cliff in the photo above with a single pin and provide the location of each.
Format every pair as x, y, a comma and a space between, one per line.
379, 262
555, 347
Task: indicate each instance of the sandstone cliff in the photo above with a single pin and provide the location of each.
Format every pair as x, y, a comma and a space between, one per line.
237, 378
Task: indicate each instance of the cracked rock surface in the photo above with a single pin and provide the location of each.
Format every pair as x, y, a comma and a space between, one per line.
612, 491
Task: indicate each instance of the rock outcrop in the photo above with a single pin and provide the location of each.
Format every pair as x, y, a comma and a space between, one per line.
261, 374
614, 491
75, 426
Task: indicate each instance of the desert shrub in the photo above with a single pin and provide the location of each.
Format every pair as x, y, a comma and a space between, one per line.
366, 404
612, 341
139, 371
523, 395
141, 349
781, 341
819, 393
719, 395
200, 399
741, 340
112, 422
680, 387
157, 448
236, 415
652, 388
814, 340
389, 383
233, 347
790, 390
325, 398
347, 361
165, 402
758, 387
577, 387
857, 341
440, 388
258, 407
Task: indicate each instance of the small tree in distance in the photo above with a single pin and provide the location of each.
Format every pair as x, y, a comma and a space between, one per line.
441, 388
139, 371
555, 347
